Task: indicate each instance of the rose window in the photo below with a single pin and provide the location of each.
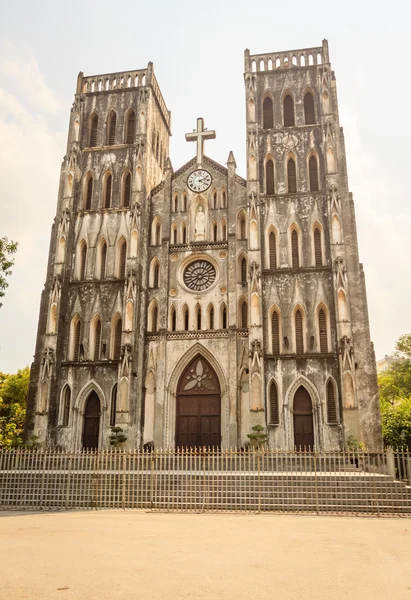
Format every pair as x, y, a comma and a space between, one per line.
199, 275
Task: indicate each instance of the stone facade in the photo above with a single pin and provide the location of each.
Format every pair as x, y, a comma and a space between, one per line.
250, 289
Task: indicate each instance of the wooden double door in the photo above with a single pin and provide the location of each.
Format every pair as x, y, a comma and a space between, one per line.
303, 420
198, 410
91, 427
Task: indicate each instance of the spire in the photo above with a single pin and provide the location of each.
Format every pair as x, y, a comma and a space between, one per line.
231, 159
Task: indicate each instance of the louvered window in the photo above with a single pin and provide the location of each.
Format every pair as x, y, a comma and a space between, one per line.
156, 275
199, 318
173, 319
243, 271
309, 109
122, 263
66, 406
127, 190
97, 339
83, 261
224, 317
244, 315
292, 176
317, 248
268, 117
313, 173
211, 315
154, 318
272, 250
269, 177
331, 403
93, 131
89, 192
77, 337
299, 341
274, 416
322, 323
113, 407
295, 258
117, 339
103, 261
186, 319
111, 137
107, 193
131, 127
289, 120
275, 333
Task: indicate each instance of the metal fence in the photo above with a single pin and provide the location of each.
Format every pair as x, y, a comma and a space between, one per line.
208, 480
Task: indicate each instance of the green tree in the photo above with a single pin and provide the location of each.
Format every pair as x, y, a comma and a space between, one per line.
7, 249
396, 423
13, 399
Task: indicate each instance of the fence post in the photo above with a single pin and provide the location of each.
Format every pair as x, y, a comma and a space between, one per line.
68, 481
259, 478
152, 479
391, 463
123, 491
408, 466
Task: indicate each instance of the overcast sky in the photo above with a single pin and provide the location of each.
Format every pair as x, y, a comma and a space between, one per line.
197, 49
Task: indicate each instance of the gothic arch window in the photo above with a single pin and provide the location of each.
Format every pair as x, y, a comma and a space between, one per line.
173, 318
288, 107
242, 226
102, 259
183, 233
95, 337
126, 189
153, 316
154, 273
107, 184
174, 233
223, 199
272, 250
186, 318
75, 339
242, 264
93, 131
88, 191
275, 332
273, 397
309, 114
198, 317
318, 255
269, 177
130, 127
322, 331
82, 261
291, 176
214, 232
268, 113
116, 331
113, 406
295, 251
174, 207
298, 330
66, 405
223, 316
184, 202
313, 173
111, 128
121, 258
223, 230
243, 314
156, 232
211, 316
214, 199
331, 402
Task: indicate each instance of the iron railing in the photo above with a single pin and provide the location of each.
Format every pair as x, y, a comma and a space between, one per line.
208, 480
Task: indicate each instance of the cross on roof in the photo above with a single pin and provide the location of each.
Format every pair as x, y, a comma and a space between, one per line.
199, 136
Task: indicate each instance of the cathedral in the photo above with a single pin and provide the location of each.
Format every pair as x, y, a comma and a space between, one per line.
187, 306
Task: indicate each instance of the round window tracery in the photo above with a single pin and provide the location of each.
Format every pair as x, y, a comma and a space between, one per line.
199, 275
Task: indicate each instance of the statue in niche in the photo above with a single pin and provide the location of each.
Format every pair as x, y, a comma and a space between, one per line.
200, 224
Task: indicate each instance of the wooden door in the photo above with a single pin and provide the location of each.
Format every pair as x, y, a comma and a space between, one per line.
91, 427
198, 411
303, 420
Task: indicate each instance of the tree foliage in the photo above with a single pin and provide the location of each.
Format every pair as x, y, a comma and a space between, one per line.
7, 249
13, 399
395, 397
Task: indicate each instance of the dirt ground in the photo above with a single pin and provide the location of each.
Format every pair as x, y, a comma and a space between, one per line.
137, 555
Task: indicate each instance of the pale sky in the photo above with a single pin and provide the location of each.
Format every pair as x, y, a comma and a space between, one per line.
197, 50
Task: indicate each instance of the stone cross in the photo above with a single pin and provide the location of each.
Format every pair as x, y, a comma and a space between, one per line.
199, 136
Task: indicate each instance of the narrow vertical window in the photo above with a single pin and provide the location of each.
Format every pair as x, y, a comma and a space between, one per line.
122, 261
243, 271
174, 235
77, 339
275, 333
198, 318
295, 258
103, 260
269, 177
89, 192
184, 202
117, 339
113, 407
83, 259
224, 232
223, 199
309, 109
272, 250
313, 174
93, 131
322, 325
291, 176
224, 317
184, 233
331, 403
175, 204
243, 233
215, 232
156, 275
66, 406
215, 200
127, 190
111, 129
211, 318
173, 319
244, 315
317, 248
299, 340
107, 192
289, 119
97, 339
154, 318
268, 115
131, 127
274, 416
186, 318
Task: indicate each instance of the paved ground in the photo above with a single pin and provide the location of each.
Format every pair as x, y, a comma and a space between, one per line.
138, 555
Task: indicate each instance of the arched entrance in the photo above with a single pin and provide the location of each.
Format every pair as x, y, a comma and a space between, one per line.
198, 411
303, 419
91, 427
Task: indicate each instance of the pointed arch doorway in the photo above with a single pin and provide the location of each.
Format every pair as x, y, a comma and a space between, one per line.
198, 410
303, 419
91, 427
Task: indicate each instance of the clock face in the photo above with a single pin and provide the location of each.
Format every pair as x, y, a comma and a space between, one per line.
199, 180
